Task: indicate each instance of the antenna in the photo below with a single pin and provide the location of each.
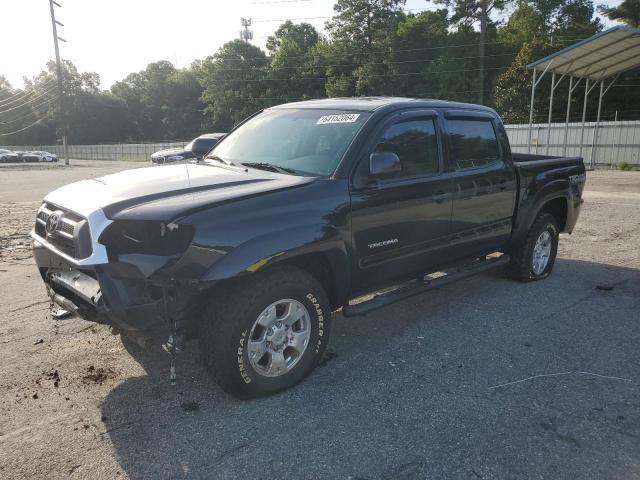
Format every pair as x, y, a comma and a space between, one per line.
246, 34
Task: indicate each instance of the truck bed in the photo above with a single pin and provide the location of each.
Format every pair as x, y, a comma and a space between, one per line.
531, 160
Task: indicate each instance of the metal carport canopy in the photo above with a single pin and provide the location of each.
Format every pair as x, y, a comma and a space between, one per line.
598, 57
594, 59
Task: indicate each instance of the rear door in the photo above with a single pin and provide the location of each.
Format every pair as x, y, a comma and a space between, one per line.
484, 182
401, 223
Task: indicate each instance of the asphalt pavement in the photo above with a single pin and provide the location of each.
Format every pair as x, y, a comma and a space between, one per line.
483, 379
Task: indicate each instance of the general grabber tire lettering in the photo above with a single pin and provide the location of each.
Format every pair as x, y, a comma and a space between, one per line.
534, 258
281, 317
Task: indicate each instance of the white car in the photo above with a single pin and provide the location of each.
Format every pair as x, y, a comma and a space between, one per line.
40, 156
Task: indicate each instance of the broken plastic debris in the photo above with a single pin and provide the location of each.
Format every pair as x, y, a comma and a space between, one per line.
60, 313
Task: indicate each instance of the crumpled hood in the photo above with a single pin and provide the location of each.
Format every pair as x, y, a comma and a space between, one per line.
162, 193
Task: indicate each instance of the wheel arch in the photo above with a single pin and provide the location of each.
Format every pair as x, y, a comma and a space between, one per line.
552, 199
558, 208
318, 250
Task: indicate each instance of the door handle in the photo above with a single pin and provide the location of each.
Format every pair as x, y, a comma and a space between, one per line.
502, 184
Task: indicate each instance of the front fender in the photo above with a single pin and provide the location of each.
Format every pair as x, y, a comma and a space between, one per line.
281, 246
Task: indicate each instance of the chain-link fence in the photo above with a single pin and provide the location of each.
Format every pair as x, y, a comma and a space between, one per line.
123, 151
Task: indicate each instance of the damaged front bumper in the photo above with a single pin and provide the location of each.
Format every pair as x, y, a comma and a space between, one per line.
117, 294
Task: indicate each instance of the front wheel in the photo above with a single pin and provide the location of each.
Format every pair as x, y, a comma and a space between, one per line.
534, 258
266, 333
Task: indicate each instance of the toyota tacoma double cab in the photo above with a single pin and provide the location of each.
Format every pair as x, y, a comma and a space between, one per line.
303, 209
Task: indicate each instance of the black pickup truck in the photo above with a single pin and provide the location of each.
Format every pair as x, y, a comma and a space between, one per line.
301, 210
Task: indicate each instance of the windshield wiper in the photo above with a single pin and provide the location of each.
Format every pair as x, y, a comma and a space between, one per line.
218, 159
269, 166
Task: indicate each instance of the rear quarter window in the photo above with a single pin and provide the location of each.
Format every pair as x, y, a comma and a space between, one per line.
472, 143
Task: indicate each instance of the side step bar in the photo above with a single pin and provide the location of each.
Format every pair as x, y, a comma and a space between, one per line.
424, 285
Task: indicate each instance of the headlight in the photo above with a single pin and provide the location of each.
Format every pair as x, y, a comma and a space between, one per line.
146, 237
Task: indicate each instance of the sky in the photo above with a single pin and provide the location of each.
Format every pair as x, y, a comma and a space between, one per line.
117, 37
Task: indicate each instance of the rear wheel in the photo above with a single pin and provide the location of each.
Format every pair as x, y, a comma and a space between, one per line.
534, 258
266, 333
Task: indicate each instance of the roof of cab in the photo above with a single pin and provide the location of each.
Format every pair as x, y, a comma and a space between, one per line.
371, 104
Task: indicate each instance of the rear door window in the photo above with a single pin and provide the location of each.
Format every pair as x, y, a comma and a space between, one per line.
472, 143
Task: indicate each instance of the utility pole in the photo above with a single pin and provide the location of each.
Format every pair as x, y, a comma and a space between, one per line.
246, 34
63, 123
484, 18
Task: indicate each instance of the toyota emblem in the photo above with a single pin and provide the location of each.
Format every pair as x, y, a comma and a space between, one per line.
52, 222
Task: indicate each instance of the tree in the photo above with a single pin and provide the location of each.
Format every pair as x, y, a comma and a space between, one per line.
6, 90
467, 12
539, 28
422, 72
304, 35
91, 115
361, 34
627, 12
162, 102
234, 82
362, 23
292, 63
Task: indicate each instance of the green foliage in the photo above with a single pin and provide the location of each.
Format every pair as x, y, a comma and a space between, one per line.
235, 84
161, 102
304, 35
92, 116
627, 12
295, 63
364, 23
466, 51
624, 165
538, 28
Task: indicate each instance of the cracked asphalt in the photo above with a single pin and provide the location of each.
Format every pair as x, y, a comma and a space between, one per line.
483, 379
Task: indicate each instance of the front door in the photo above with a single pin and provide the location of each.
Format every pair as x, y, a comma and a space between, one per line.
401, 222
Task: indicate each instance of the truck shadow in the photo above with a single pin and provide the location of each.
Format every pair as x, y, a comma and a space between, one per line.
405, 392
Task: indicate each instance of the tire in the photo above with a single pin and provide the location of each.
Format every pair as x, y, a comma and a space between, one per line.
231, 328
522, 266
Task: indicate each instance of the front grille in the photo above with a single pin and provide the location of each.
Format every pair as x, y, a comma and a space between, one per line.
70, 234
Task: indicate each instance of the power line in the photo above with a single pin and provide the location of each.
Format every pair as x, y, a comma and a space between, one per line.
31, 112
28, 101
22, 94
562, 40
23, 129
400, 74
325, 17
399, 62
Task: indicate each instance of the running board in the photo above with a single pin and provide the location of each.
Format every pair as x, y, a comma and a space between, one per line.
428, 282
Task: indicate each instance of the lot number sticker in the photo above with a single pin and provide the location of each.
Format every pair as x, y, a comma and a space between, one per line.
344, 118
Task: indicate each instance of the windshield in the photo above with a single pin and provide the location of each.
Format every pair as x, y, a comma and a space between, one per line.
308, 141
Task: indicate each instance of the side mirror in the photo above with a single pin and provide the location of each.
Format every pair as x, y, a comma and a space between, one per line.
384, 163
199, 151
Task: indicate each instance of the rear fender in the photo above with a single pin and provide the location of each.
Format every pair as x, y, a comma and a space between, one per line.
531, 205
